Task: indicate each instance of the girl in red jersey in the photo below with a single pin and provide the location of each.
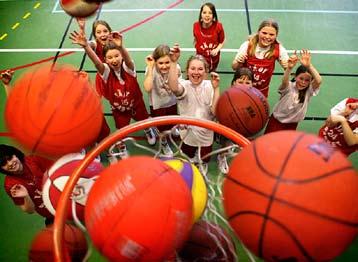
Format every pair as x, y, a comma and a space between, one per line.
260, 53
209, 36
341, 127
101, 31
121, 87
23, 180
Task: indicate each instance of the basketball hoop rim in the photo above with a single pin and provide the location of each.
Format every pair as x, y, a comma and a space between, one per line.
62, 206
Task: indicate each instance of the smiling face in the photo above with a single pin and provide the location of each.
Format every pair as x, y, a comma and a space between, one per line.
196, 71
114, 59
267, 36
207, 16
163, 64
102, 33
303, 80
13, 165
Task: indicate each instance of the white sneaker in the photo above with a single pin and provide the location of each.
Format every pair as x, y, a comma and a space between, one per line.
123, 152
149, 133
167, 150
222, 163
175, 132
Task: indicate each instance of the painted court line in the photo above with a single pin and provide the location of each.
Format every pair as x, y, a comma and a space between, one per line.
150, 49
231, 10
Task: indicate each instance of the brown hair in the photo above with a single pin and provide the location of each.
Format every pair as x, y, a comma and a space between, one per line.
242, 71
254, 39
160, 51
99, 22
110, 46
213, 10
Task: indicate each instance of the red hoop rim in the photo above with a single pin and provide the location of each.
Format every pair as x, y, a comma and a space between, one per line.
62, 206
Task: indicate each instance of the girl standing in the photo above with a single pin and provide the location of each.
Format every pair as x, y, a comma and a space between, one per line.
209, 35
260, 53
295, 94
121, 87
161, 99
196, 97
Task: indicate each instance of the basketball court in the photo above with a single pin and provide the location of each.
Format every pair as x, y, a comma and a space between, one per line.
36, 32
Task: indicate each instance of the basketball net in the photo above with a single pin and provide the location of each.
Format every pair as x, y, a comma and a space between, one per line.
213, 177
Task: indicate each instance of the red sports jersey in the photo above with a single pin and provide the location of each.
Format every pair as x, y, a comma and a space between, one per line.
34, 169
122, 95
208, 39
334, 136
262, 70
99, 80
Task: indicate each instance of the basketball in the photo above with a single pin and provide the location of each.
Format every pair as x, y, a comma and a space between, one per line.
208, 242
53, 112
139, 209
79, 8
290, 196
75, 243
56, 177
243, 109
195, 181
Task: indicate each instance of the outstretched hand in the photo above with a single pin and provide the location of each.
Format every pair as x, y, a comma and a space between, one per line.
78, 38
116, 38
81, 23
305, 58
174, 53
292, 60
215, 79
19, 191
149, 60
6, 76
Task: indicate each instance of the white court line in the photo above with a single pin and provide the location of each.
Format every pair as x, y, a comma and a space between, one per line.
220, 10
150, 49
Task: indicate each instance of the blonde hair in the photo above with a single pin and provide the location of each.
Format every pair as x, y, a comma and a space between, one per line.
200, 58
160, 51
254, 39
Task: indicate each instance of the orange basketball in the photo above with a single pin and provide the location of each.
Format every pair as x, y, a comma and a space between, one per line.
53, 112
290, 196
243, 109
79, 8
42, 247
139, 209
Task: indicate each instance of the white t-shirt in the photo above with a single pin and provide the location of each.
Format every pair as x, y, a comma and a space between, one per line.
289, 109
196, 101
161, 96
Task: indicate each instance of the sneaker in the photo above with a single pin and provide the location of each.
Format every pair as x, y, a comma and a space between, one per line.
149, 133
97, 159
122, 151
112, 159
222, 163
167, 150
175, 132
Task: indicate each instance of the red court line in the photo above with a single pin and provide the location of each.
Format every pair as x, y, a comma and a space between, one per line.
71, 52
151, 17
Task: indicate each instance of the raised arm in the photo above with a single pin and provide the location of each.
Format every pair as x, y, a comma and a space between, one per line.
6, 79
305, 60
350, 137
20, 191
148, 78
80, 39
173, 71
291, 62
117, 38
215, 81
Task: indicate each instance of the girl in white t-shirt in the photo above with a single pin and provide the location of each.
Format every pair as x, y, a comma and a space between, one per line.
295, 95
162, 101
197, 97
